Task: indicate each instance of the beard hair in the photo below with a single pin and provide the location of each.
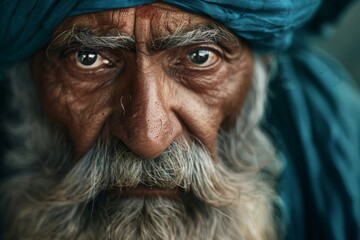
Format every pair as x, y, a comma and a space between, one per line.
52, 196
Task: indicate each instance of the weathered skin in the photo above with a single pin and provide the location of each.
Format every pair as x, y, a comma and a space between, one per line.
146, 98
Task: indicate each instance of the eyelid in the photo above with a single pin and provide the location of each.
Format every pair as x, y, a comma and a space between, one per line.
179, 65
196, 77
72, 48
115, 63
180, 54
212, 47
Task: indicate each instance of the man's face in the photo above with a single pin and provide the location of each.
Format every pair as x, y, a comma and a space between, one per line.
170, 76
143, 96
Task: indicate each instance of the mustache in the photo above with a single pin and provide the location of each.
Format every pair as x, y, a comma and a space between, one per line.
110, 164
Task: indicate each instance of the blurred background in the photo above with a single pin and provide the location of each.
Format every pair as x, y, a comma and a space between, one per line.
343, 41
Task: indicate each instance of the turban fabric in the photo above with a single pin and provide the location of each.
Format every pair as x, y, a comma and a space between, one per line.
26, 26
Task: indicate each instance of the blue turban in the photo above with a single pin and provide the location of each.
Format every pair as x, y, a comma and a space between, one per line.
26, 26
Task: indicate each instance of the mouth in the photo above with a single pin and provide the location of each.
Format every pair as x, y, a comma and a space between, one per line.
144, 191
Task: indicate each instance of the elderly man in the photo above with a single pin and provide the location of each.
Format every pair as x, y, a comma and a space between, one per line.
140, 120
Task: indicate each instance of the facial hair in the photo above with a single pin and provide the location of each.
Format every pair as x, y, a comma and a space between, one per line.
54, 196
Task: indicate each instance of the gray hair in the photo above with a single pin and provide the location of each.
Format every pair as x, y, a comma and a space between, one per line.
84, 38
54, 197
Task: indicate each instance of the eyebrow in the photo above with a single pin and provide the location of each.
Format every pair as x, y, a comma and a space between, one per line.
202, 34
83, 37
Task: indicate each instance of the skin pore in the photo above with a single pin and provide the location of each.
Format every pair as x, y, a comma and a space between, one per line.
147, 96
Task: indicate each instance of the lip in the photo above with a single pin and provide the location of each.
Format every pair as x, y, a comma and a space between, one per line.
141, 191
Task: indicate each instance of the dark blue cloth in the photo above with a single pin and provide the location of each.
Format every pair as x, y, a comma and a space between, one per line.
313, 116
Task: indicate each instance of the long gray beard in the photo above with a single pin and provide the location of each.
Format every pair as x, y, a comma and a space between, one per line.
53, 196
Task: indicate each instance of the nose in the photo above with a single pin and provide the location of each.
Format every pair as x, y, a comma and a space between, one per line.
147, 125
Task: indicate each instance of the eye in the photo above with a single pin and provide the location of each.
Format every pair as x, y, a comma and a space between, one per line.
90, 59
202, 57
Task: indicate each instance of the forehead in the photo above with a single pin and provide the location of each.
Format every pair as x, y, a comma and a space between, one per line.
157, 19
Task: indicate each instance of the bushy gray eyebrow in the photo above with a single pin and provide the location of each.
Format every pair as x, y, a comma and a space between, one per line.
85, 38
181, 38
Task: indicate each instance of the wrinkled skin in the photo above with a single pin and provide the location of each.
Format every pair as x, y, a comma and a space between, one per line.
146, 98
145, 154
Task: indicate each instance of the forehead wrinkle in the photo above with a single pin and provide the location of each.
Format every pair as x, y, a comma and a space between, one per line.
179, 28
110, 21
120, 19
169, 28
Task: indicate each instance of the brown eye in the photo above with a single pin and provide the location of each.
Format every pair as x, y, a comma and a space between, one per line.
202, 57
89, 59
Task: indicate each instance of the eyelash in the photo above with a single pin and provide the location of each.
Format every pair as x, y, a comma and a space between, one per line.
194, 77
177, 64
182, 62
68, 55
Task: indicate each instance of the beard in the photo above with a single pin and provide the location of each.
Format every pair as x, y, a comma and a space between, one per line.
54, 196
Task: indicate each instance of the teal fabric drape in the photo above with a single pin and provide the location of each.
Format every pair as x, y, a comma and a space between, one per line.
313, 117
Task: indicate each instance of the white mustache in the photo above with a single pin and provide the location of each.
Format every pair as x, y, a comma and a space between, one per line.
112, 165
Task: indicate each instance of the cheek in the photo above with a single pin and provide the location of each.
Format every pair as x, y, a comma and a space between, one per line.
218, 105
237, 88
78, 106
